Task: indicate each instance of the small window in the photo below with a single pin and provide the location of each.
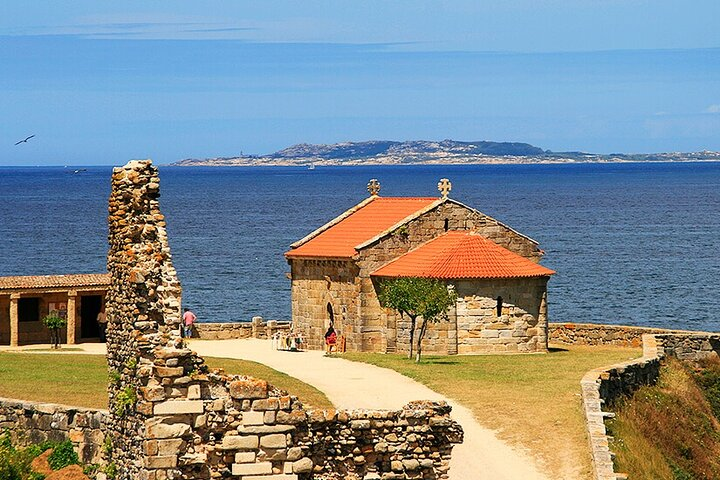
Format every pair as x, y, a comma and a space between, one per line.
29, 309
498, 308
447, 224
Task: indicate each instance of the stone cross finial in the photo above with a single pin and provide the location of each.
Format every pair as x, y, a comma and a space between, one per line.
444, 186
373, 187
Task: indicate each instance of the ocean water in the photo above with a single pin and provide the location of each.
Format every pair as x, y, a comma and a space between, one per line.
635, 244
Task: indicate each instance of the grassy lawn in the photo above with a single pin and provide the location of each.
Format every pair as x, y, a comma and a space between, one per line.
531, 400
81, 379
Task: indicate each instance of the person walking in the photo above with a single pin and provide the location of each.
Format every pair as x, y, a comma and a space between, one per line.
102, 325
188, 320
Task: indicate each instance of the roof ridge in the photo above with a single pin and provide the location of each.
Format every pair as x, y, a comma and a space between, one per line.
402, 222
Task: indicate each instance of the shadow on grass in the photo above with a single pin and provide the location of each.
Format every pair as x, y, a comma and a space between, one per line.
557, 350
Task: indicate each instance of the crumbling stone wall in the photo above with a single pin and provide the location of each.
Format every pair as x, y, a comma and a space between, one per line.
170, 418
35, 422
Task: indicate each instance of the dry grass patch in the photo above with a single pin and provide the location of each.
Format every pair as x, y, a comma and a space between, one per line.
81, 380
668, 431
531, 400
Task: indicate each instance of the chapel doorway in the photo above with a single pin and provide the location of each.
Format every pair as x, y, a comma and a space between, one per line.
90, 306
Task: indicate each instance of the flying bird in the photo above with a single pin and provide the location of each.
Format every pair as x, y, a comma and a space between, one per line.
25, 141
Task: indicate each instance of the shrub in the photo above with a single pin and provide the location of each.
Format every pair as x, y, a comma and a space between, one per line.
125, 401
63, 455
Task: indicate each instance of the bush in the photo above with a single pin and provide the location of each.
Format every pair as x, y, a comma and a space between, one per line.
15, 462
63, 455
125, 401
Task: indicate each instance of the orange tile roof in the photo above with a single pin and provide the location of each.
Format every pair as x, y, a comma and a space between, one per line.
462, 254
361, 223
55, 281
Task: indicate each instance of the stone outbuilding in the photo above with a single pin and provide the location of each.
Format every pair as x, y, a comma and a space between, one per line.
26, 300
337, 269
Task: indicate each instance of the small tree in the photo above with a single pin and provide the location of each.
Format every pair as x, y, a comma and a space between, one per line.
54, 323
417, 297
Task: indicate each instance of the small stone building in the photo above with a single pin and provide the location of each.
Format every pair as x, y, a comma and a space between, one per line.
26, 300
502, 290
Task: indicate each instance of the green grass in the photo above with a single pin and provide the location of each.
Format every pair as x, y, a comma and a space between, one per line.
81, 380
531, 400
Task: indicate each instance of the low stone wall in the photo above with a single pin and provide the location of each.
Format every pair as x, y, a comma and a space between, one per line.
33, 422
257, 328
597, 334
688, 347
603, 386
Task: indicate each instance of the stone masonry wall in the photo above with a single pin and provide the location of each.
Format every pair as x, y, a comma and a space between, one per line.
257, 328
317, 284
379, 327
34, 422
597, 334
170, 418
601, 387
522, 325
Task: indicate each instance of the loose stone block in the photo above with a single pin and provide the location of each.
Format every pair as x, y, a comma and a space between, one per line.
162, 430
248, 389
245, 457
252, 418
174, 407
277, 440
304, 465
261, 468
168, 461
240, 442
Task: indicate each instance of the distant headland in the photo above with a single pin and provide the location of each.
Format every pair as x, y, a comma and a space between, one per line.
422, 152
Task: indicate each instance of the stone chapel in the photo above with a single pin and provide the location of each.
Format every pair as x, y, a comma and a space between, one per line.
502, 288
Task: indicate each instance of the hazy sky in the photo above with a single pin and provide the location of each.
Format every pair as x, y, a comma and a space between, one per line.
100, 82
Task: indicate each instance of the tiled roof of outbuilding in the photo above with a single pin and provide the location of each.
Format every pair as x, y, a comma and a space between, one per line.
55, 281
372, 217
462, 254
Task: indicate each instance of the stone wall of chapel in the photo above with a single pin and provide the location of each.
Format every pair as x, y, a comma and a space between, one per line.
382, 330
522, 326
317, 283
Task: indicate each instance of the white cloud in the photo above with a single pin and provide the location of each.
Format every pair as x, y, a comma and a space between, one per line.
715, 108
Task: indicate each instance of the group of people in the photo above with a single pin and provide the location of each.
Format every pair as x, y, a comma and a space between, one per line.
289, 342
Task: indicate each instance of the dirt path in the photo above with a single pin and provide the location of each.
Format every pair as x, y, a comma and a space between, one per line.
348, 385
351, 385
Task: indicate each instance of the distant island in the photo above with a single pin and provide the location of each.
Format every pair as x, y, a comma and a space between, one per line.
422, 152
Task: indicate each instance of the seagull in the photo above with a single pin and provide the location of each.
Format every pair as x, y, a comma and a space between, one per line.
25, 141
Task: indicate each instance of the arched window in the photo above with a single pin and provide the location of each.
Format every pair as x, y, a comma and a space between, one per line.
447, 224
498, 308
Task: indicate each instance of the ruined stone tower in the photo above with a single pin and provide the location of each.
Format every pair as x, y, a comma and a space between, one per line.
172, 419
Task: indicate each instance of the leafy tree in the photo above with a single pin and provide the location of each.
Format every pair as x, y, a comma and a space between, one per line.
417, 298
55, 324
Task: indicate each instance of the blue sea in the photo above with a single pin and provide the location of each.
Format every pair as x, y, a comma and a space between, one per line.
634, 243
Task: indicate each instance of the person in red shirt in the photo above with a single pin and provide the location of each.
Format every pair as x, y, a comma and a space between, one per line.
330, 339
188, 320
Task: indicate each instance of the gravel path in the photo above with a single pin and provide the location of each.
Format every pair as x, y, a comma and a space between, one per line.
351, 385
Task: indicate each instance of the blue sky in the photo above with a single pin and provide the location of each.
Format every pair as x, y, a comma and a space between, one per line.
100, 82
